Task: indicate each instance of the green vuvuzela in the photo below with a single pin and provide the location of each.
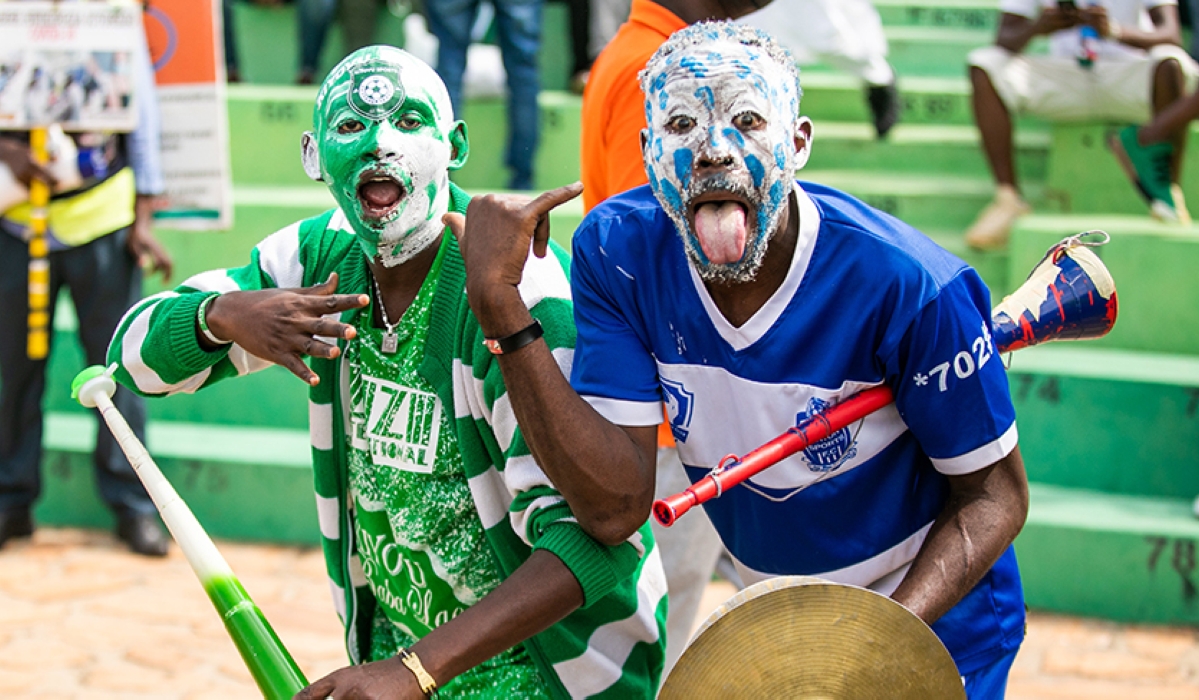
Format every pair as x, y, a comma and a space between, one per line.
273, 669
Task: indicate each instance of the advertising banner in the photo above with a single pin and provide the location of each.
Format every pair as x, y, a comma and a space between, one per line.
185, 45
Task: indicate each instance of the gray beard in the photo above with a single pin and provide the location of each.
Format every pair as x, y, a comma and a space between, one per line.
746, 269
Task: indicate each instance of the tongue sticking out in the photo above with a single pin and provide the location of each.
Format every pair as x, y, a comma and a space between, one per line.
380, 194
721, 229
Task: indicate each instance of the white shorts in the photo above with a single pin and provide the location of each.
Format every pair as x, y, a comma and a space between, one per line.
1115, 88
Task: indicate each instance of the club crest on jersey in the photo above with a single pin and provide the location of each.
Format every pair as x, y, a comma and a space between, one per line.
679, 403
375, 90
833, 451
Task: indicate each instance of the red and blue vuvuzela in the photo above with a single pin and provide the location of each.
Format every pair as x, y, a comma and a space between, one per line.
1069, 296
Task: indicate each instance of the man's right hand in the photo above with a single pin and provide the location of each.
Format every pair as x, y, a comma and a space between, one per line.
1053, 20
19, 159
282, 325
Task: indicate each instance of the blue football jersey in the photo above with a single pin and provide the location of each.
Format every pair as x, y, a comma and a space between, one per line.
868, 300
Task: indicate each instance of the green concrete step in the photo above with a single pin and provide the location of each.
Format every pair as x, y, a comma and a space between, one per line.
1152, 263
942, 202
936, 50
1085, 176
251, 484
1125, 558
1109, 420
921, 149
933, 50
964, 14
274, 61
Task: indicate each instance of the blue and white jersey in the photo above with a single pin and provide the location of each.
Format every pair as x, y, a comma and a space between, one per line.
868, 300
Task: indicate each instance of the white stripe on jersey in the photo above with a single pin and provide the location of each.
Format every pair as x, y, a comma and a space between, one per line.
881, 573
719, 426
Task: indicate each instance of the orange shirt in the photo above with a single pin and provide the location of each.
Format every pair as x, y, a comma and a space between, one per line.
614, 107
614, 113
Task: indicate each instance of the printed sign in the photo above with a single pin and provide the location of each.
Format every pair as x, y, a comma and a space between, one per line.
68, 63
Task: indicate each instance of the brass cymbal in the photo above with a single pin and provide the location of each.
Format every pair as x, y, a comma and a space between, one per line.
801, 637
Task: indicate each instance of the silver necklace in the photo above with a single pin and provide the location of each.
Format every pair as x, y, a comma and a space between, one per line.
391, 341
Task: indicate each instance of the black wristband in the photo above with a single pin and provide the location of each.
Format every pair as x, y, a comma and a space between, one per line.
516, 341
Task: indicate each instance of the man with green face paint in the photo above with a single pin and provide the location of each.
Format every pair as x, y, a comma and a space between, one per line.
454, 562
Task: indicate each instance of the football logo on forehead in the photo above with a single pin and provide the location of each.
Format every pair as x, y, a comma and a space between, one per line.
376, 91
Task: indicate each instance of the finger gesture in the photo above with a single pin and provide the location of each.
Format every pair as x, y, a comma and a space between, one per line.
282, 325
496, 234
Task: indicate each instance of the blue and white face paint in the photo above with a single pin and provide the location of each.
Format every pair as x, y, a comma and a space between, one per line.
720, 148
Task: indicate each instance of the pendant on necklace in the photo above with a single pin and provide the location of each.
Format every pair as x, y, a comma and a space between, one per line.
391, 342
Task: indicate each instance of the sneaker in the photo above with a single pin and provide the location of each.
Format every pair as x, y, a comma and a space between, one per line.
884, 106
1149, 169
990, 231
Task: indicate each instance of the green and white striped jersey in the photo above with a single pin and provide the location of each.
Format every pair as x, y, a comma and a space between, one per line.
613, 647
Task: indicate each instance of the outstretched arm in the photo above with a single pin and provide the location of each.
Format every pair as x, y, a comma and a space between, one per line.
605, 472
982, 516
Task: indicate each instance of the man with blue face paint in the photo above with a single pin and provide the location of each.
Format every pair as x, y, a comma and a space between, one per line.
744, 301
455, 564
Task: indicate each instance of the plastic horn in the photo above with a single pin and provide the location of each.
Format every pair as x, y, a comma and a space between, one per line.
1069, 295
273, 669
37, 342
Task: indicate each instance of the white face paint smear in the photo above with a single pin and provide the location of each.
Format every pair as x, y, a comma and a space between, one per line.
720, 150
384, 127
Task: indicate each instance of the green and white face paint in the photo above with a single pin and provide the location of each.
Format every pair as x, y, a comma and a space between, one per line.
722, 110
383, 140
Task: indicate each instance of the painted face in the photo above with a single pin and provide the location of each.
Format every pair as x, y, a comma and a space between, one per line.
383, 141
720, 150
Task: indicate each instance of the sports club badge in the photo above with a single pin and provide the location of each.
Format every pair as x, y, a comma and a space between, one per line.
679, 403
375, 90
833, 451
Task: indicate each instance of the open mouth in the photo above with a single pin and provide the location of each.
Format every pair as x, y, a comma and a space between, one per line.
721, 221
379, 195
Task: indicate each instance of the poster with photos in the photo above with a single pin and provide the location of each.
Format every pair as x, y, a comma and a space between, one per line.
69, 63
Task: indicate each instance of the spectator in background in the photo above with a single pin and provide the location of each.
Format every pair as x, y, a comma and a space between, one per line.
1132, 65
845, 34
313, 18
611, 162
518, 28
581, 55
229, 34
606, 18
99, 232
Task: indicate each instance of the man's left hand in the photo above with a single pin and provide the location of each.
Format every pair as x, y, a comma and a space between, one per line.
379, 680
143, 247
495, 235
1096, 16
